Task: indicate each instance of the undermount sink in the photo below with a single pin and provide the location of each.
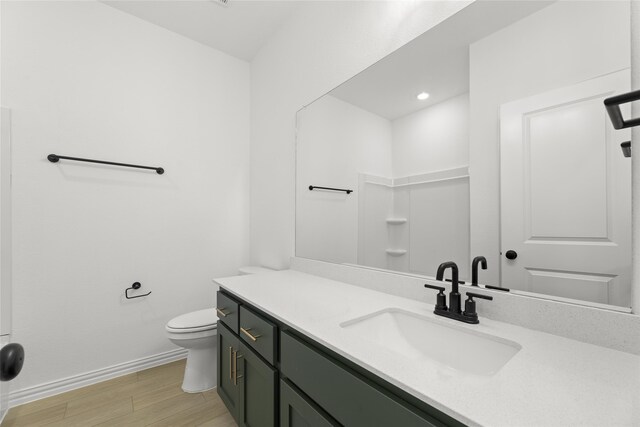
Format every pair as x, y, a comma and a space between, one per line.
417, 337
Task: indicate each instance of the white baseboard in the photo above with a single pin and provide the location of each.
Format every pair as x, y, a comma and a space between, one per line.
52, 388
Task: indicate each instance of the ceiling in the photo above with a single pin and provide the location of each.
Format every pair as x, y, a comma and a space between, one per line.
436, 62
240, 29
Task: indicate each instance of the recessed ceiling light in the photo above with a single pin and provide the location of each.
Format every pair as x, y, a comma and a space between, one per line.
422, 96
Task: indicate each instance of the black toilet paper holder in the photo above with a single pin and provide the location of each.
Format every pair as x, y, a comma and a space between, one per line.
136, 285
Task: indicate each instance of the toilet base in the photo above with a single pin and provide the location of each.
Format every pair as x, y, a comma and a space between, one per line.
200, 372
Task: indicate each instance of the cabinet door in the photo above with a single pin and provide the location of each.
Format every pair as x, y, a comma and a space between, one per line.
228, 390
257, 386
296, 411
351, 399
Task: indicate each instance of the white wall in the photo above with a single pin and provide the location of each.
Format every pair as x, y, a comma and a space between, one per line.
321, 46
6, 262
5, 245
517, 62
337, 141
437, 230
432, 139
83, 79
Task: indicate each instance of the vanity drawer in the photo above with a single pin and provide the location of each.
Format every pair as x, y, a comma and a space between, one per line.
345, 395
228, 311
258, 333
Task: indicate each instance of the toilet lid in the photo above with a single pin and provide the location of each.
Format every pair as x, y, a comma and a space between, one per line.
195, 320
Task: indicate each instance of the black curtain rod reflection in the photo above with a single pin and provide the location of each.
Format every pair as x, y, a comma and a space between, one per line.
313, 187
54, 158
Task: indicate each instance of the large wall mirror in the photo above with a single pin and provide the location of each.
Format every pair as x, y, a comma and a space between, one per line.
485, 136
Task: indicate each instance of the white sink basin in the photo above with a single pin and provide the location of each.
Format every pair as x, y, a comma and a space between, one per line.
422, 338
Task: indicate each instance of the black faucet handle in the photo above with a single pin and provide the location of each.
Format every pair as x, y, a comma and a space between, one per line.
437, 288
470, 306
460, 282
497, 288
441, 298
472, 295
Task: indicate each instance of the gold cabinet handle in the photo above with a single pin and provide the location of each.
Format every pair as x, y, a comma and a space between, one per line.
233, 368
230, 363
221, 312
253, 338
236, 356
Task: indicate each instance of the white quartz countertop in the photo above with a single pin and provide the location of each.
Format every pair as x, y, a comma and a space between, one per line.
551, 381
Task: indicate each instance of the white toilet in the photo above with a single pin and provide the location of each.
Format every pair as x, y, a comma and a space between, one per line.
197, 332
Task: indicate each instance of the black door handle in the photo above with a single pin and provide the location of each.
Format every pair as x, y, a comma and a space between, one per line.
511, 254
11, 361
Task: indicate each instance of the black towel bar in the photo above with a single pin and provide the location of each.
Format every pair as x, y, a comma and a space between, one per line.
54, 158
612, 105
315, 187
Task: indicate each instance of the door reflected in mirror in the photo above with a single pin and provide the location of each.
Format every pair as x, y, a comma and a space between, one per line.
485, 135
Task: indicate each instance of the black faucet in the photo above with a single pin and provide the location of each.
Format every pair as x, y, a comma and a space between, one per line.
474, 268
454, 312
454, 295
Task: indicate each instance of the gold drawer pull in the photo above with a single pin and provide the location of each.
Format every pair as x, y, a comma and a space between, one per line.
236, 356
222, 313
253, 338
230, 362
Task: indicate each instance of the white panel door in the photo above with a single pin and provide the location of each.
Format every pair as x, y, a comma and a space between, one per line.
566, 194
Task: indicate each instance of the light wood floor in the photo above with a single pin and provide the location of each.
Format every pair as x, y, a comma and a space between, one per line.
146, 398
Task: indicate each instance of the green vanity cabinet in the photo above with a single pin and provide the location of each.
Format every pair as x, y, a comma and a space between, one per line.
257, 382
270, 374
246, 383
228, 390
298, 411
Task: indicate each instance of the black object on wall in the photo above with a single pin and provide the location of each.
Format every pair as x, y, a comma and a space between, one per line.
612, 105
54, 158
11, 361
626, 148
315, 187
136, 285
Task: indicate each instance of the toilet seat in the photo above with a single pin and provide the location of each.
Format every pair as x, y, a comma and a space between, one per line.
196, 321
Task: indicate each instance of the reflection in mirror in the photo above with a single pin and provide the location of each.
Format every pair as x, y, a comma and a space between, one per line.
510, 153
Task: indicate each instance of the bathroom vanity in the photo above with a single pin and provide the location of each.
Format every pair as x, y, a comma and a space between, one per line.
268, 371
299, 349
